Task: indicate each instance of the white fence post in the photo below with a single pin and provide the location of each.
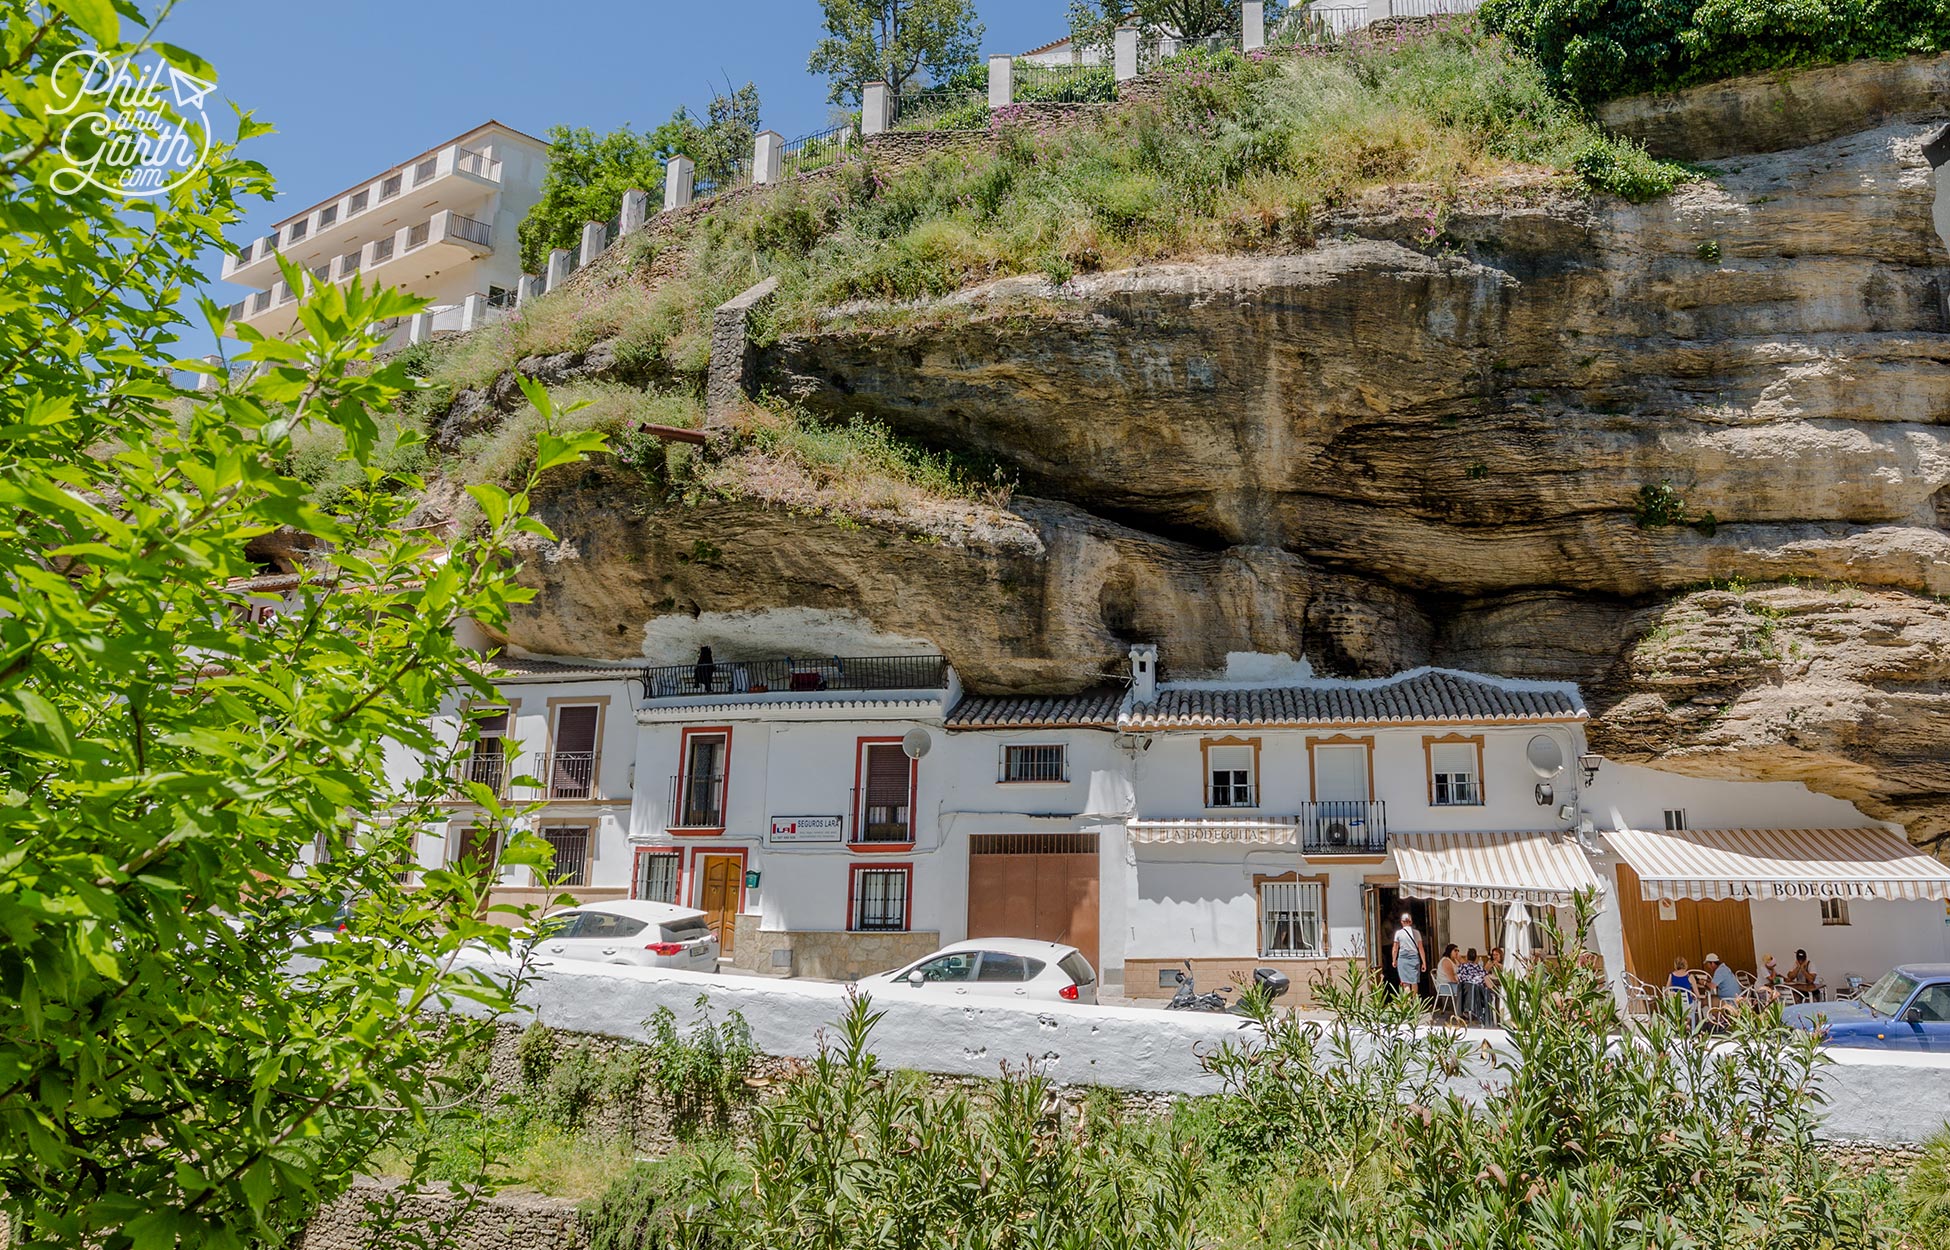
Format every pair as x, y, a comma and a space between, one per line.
529, 288
420, 329
1124, 50
768, 153
595, 237
1380, 11
678, 175
876, 108
1252, 25
473, 312
636, 210
210, 381
560, 266
1002, 81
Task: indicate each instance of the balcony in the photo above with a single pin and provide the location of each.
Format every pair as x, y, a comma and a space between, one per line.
880, 822
569, 774
455, 177
697, 801
798, 676
444, 239
489, 769
1344, 827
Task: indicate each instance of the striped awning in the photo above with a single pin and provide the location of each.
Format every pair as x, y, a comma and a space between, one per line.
1492, 867
1274, 832
1780, 864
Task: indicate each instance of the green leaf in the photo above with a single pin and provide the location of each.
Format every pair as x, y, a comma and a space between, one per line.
96, 18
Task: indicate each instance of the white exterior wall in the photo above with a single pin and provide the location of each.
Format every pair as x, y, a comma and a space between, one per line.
1198, 899
528, 740
1878, 936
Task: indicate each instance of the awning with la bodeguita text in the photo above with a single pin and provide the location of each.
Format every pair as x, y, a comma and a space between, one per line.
1766, 865
1492, 867
1274, 832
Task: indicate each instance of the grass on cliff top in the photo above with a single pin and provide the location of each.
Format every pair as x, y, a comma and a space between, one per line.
1241, 155
774, 452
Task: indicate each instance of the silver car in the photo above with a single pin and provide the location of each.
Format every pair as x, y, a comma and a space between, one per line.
630, 931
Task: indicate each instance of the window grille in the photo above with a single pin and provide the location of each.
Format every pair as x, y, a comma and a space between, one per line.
571, 843
1289, 920
1034, 763
656, 876
880, 899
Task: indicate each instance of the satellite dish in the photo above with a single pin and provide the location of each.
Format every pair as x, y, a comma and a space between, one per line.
916, 743
1545, 755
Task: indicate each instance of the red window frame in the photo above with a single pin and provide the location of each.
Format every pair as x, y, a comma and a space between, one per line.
906, 869
683, 774
857, 823
636, 875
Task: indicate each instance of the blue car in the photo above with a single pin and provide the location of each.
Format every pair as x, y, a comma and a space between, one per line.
1909, 1009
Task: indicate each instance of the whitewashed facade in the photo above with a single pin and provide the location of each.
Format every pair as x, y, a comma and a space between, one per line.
835, 816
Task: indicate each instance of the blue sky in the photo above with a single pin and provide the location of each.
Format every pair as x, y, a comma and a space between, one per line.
356, 85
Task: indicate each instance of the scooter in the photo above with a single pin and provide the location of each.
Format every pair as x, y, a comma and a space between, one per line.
1187, 998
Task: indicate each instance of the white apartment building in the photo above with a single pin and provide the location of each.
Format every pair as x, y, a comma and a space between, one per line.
836, 816
440, 224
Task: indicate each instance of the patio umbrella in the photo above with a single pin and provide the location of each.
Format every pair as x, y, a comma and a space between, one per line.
1516, 939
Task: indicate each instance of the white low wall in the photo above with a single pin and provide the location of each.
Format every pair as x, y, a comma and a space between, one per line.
1872, 1096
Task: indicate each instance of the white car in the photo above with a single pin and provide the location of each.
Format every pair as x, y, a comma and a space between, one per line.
992, 967
630, 931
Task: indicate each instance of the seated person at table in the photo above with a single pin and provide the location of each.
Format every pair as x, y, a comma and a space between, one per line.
1726, 986
1802, 976
1681, 981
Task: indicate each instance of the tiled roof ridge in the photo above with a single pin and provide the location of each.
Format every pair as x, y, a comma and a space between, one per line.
1419, 696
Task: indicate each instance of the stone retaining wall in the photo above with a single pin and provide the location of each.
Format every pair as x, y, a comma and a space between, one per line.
363, 1219
830, 955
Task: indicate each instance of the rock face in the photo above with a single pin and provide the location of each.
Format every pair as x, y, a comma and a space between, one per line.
1518, 440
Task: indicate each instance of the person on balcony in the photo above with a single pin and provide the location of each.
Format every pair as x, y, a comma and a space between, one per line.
706, 669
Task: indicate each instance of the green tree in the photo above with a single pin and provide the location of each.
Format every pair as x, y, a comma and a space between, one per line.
893, 41
587, 176
1093, 23
169, 1074
588, 173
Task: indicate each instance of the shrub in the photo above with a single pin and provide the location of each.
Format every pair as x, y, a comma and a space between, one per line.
700, 1072
1623, 168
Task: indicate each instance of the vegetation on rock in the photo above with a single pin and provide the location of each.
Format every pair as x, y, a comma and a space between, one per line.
1595, 51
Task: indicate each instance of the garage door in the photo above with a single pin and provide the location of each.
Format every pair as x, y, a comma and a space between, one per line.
1034, 886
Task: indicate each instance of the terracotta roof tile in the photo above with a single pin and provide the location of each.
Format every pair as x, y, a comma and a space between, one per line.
1091, 709
1430, 696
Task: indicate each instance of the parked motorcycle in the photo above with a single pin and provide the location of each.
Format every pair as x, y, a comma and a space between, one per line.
1186, 997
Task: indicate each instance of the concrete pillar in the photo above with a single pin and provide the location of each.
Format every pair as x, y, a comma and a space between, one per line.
1380, 11
561, 263
473, 312
529, 288
728, 376
1124, 48
678, 174
210, 381
876, 108
1252, 25
595, 237
420, 329
636, 211
1002, 81
768, 156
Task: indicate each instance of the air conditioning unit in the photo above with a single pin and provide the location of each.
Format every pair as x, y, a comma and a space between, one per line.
1336, 834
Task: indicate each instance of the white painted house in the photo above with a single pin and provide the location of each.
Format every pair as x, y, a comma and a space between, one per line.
837, 815
440, 224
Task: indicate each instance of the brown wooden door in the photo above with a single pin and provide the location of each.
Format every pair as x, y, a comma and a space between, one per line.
717, 895
1698, 928
1035, 886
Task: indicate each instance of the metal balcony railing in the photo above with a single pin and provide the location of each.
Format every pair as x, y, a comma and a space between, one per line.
798, 676
485, 768
417, 235
569, 774
697, 801
467, 160
382, 251
424, 171
1344, 827
391, 187
880, 822
468, 228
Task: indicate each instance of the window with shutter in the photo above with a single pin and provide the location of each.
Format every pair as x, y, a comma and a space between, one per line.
885, 811
572, 767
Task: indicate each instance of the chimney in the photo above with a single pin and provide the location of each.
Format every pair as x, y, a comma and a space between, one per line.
1144, 672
